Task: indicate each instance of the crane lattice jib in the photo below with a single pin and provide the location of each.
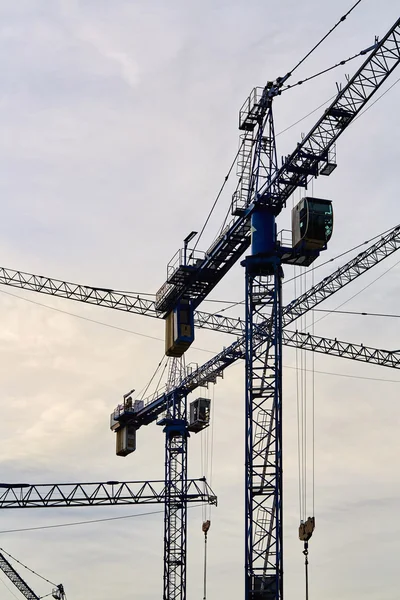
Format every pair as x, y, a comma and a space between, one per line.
297, 171
16, 579
204, 320
99, 494
106, 298
210, 370
303, 163
335, 347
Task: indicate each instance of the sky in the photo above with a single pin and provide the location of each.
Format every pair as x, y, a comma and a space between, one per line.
118, 125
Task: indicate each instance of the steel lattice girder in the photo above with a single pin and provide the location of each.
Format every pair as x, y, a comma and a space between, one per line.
16, 579
263, 554
16, 495
175, 516
344, 108
388, 244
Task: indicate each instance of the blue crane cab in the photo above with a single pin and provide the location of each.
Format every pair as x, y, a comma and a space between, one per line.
199, 416
312, 224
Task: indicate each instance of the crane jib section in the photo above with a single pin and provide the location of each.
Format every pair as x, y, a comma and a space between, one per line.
100, 494
16, 579
297, 170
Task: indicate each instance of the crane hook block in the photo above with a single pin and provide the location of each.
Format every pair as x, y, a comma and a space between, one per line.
306, 529
206, 526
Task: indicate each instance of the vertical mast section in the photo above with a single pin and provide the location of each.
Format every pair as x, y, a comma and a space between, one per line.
175, 512
263, 355
263, 431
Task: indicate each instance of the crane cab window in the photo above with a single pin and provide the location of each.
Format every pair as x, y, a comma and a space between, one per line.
312, 223
199, 417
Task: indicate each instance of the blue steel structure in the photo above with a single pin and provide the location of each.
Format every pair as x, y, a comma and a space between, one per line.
122, 493
262, 192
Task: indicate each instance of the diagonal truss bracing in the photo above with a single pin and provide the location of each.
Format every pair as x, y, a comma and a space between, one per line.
23, 495
385, 246
7, 568
328, 286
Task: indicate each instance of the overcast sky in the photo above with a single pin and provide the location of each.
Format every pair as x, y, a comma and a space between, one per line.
118, 125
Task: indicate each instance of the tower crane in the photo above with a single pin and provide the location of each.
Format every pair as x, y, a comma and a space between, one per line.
260, 197
264, 187
109, 493
57, 495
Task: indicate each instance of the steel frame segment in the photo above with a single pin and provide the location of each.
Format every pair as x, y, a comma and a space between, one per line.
7, 568
359, 352
302, 164
361, 263
100, 494
328, 286
175, 515
81, 293
215, 367
263, 555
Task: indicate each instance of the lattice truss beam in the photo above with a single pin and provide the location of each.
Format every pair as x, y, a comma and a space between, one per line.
263, 436
175, 518
303, 162
7, 568
21, 495
364, 261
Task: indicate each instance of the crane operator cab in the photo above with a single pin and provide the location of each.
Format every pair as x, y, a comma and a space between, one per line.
179, 329
199, 417
312, 224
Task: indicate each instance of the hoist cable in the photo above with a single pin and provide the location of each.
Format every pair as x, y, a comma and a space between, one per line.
152, 377
354, 312
216, 199
305, 116
212, 438
305, 552
205, 568
339, 64
9, 589
298, 412
362, 290
343, 18
27, 568
239, 302
313, 403
375, 101
73, 524
161, 376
